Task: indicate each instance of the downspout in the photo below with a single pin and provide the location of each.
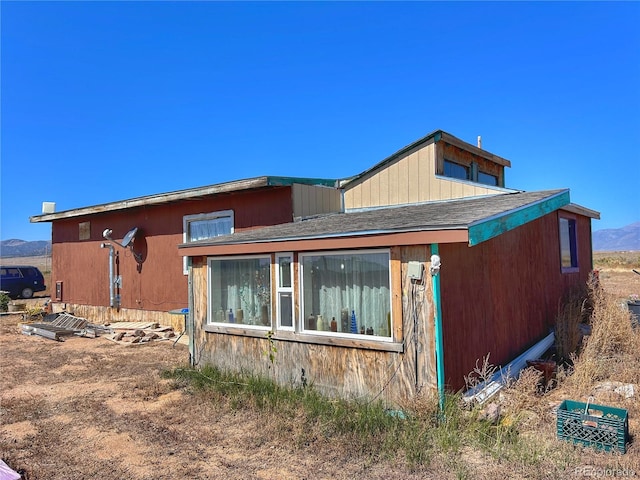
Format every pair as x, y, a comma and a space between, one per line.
435, 282
112, 296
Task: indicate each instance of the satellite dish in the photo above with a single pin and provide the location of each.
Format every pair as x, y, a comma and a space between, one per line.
129, 237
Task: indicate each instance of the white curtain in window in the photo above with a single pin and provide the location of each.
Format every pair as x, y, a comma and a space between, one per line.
241, 287
209, 228
352, 283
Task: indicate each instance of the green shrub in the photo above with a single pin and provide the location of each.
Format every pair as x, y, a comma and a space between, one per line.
4, 301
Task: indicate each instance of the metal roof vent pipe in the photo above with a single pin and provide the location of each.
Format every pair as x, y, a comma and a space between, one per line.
479, 141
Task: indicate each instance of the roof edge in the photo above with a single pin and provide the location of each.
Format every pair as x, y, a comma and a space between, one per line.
580, 210
190, 193
496, 225
436, 136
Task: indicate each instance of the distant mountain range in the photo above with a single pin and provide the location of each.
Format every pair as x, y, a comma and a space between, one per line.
617, 239
608, 240
21, 248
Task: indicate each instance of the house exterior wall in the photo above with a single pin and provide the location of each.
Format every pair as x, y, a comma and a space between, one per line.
350, 369
500, 297
311, 200
159, 283
412, 178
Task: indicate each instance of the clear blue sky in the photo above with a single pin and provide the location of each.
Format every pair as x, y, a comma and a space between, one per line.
104, 101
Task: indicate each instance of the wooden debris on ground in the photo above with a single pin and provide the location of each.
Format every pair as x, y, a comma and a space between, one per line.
137, 333
57, 326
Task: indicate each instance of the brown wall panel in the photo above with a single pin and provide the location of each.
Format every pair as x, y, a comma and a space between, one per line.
501, 296
158, 283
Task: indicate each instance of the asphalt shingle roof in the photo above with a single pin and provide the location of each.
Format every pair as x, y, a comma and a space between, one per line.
444, 215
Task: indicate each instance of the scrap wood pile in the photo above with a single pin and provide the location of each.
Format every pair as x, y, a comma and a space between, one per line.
57, 326
139, 332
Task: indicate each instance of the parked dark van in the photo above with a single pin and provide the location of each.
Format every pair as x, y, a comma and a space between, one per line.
21, 280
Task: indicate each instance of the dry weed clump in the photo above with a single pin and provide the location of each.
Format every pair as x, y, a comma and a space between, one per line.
574, 309
522, 393
612, 350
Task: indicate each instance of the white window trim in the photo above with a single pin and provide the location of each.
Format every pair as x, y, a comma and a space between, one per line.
186, 219
233, 327
280, 290
351, 336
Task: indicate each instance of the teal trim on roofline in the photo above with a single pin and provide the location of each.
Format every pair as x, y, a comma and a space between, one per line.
497, 225
285, 181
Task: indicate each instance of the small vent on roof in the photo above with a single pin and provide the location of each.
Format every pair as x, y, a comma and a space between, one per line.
479, 141
48, 207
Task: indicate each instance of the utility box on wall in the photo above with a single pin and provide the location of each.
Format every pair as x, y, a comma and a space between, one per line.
58, 294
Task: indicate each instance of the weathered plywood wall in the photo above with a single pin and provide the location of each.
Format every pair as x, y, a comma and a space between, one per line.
411, 179
345, 372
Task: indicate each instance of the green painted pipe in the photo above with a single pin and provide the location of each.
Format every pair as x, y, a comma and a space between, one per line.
435, 281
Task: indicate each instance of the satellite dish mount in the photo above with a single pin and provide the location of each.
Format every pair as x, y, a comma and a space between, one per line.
127, 241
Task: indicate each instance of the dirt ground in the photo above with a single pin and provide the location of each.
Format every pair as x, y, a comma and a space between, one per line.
90, 408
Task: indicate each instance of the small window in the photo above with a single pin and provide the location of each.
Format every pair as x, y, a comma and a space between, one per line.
240, 291
284, 302
568, 245
205, 225
455, 170
487, 179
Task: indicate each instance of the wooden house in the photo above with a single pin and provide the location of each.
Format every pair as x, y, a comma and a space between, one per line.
95, 277
431, 265
379, 286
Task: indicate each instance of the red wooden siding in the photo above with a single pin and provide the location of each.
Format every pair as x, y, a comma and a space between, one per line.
160, 284
502, 296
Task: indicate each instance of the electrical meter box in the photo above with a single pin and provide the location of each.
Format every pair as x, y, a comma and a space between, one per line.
414, 271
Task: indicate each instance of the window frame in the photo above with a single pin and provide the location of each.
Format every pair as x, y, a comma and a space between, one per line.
466, 168
281, 289
187, 219
342, 335
473, 173
225, 327
482, 174
572, 231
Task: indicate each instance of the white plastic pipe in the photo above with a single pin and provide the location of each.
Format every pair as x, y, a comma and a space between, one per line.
488, 389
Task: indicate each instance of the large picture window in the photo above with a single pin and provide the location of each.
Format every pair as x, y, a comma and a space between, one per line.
346, 293
240, 291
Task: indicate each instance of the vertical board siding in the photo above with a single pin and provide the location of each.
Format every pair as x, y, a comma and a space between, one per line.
403, 179
502, 296
412, 179
336, 371
418, 318
313, 200
159, 283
